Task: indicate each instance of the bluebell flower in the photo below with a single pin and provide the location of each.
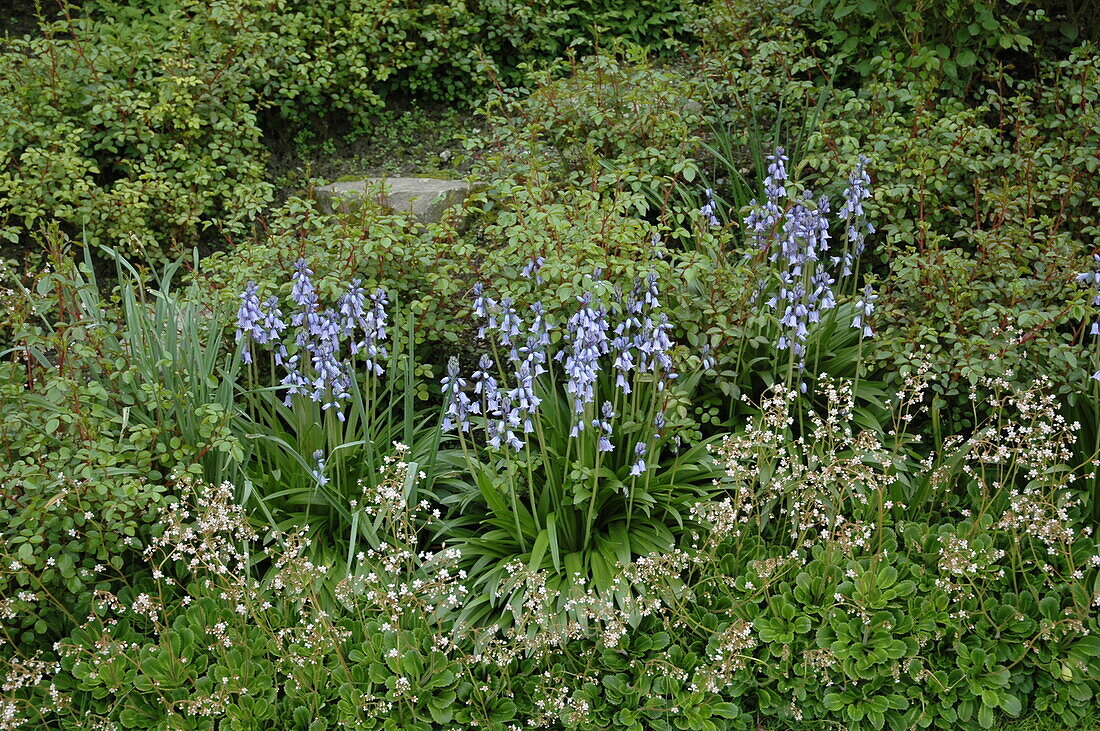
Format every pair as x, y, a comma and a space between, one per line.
865, 307
351, 307
532, 269
603, 426
374, 333
587, 341
510, 325
624, 362
483, 308
272, 326
318, 472
304, 295
486, 386
1092, 277
774, 188
709, 209
639, 465
651, 295
332, 381
526, 400
249, 320
858, 190
458, 404
706, 358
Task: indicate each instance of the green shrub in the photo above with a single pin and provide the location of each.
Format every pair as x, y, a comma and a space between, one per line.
100, 404
951, 40
986, 215
135, 133
614, 121
141, 126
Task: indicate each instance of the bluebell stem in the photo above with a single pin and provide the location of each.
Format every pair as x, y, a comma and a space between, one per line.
532, 269
351, 308
858, 190
318, 472
272, 326
294, 382
483, 308
865, 307
587, 336
249, 319
709, 209
524, 396
305, 296
459, 407
706, 358
639, 464
509, 326
604, 427
374, 332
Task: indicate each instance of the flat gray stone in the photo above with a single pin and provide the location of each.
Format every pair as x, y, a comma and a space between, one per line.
426, 198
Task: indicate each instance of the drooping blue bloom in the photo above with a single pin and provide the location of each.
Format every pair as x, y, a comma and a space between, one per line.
351, 307
374, 333
485, 384
249, 320
1092, 277
709, 209
304, 295
318, 471
294, 382
509, 326
603, 425
458, 404
483, 308
332, 381
532, 269
272, 326
586, 342
538, 340
706, 357
865, 307
639, 465
858, 190
524, 396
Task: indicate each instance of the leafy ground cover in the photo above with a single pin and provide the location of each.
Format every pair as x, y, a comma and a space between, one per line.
761, 390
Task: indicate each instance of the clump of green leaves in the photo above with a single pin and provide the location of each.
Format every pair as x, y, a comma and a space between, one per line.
135, 133
101, 401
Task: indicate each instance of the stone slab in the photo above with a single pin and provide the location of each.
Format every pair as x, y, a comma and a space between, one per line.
426, 198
